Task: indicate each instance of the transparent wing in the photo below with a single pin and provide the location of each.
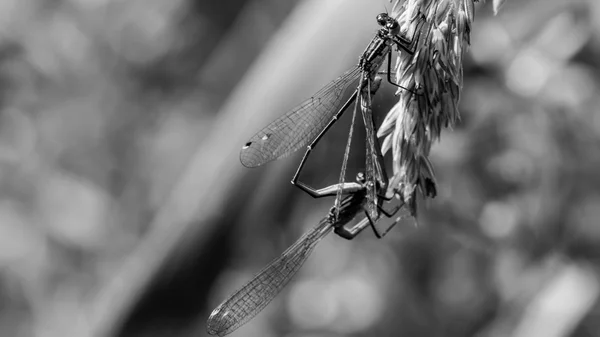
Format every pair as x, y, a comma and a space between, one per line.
248, 301
342, 179
298, 127
371, 172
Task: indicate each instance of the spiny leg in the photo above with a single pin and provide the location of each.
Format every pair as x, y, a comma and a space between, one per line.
351, 233
389, 76
345, 187
388, 214
409, 46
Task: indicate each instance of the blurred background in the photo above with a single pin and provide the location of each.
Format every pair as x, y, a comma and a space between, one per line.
124, 210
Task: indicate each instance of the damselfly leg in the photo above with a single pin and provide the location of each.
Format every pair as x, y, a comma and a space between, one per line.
351, 233
408, 46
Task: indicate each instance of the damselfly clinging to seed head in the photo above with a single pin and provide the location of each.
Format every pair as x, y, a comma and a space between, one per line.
306, 124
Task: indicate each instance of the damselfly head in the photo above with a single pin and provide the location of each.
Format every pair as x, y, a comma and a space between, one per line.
382, 19
360, 178
390, 24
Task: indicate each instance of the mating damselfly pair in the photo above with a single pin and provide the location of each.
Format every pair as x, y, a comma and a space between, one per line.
302, 127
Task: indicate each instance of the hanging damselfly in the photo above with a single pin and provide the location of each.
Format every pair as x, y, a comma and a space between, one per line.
307, 123
254, 296
304, 126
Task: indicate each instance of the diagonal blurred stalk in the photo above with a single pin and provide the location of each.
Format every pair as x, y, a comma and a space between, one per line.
307, 53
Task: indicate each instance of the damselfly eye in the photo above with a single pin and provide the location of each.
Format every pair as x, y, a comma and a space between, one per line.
392, 26
382, 19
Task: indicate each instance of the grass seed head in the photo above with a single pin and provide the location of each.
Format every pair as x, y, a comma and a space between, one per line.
433, 77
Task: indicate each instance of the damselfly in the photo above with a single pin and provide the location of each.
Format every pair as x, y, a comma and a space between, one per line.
306, 124
249, 300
